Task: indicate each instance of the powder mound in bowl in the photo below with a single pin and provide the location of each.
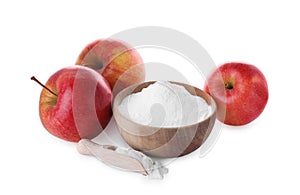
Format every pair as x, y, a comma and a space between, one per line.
164, 104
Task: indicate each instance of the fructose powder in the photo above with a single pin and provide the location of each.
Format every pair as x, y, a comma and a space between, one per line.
164, 104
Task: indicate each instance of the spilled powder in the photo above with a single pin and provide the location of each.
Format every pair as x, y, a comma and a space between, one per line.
163, 104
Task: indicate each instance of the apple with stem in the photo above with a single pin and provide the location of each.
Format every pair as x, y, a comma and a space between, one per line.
120, 64
75, 103
240, 91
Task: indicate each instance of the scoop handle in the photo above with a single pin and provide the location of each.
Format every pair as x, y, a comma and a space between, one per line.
108, 155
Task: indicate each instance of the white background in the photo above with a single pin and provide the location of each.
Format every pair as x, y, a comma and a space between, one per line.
38, 38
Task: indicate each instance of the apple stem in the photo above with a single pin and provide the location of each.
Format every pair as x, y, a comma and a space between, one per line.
229, 86
34, 79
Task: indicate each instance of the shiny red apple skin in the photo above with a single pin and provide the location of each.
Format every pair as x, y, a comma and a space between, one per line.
82, 107
120, 64
240, 90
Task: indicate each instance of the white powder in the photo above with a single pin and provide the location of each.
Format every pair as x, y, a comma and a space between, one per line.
164, 104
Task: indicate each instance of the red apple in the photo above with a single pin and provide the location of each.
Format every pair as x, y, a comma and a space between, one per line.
75, 103
120, 64
240, 91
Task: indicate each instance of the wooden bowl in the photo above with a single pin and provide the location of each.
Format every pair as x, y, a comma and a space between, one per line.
164, 142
